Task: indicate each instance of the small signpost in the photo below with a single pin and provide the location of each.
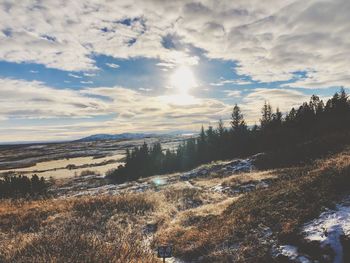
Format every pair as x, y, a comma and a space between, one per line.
165, 252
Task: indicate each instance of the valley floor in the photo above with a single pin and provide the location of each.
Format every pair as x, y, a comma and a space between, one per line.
220, 212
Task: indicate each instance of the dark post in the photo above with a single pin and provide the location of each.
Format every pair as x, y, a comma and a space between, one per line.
165, 252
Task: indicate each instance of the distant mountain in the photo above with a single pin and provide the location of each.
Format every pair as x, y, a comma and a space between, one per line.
121, 136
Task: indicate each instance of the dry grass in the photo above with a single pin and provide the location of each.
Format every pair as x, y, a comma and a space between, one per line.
94, 229
240, 232
203, 225
249, 177
89, 229
100, 228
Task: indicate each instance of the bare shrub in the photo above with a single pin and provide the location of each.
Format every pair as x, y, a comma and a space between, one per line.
89, 172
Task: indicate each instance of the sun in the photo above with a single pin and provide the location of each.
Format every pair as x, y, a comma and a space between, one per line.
182, 80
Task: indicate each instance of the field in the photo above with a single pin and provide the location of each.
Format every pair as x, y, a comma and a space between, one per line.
220, 212
67, 159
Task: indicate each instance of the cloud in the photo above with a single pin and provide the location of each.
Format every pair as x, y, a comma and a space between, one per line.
112, 65
86, 82
284, 99
142, 112
274, 40
87, 74
145, 89
132, 110
75, 76
223, 82
117, 109
269, 40
69, 39
304, 43
131, 101
33, 100
233, 93
46, 132
165, 65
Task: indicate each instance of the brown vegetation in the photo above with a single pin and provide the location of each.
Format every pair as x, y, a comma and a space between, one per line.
247, 228
202, 224
88, 229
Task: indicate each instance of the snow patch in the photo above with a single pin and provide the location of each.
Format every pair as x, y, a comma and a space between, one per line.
224, 168
291, 252
239, 189
327, 230
329, 227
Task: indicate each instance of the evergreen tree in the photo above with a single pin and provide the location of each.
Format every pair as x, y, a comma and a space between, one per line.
316, 105
277, 118
266, 115
19, 186
290, 117
202, 152
222, 140
221, 129
239, 133
211, 142
237, 121
275, 134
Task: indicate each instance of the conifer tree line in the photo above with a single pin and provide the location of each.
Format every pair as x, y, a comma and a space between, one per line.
276, 131
22, 186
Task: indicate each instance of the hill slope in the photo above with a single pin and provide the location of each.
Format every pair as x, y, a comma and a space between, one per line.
215, 213
121, 136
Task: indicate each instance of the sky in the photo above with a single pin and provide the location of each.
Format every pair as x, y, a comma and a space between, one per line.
69, 69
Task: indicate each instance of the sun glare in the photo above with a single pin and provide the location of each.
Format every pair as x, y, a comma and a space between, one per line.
183, 80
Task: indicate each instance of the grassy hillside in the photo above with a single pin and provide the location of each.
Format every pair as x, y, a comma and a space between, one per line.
246, 229
210, 219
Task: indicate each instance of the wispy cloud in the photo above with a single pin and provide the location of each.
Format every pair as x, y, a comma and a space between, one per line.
223, 82
112, 65
87, 74
233, 93
86, 82
284, 99
133, 110
165, 65
75, 76
145, 89
34, 100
